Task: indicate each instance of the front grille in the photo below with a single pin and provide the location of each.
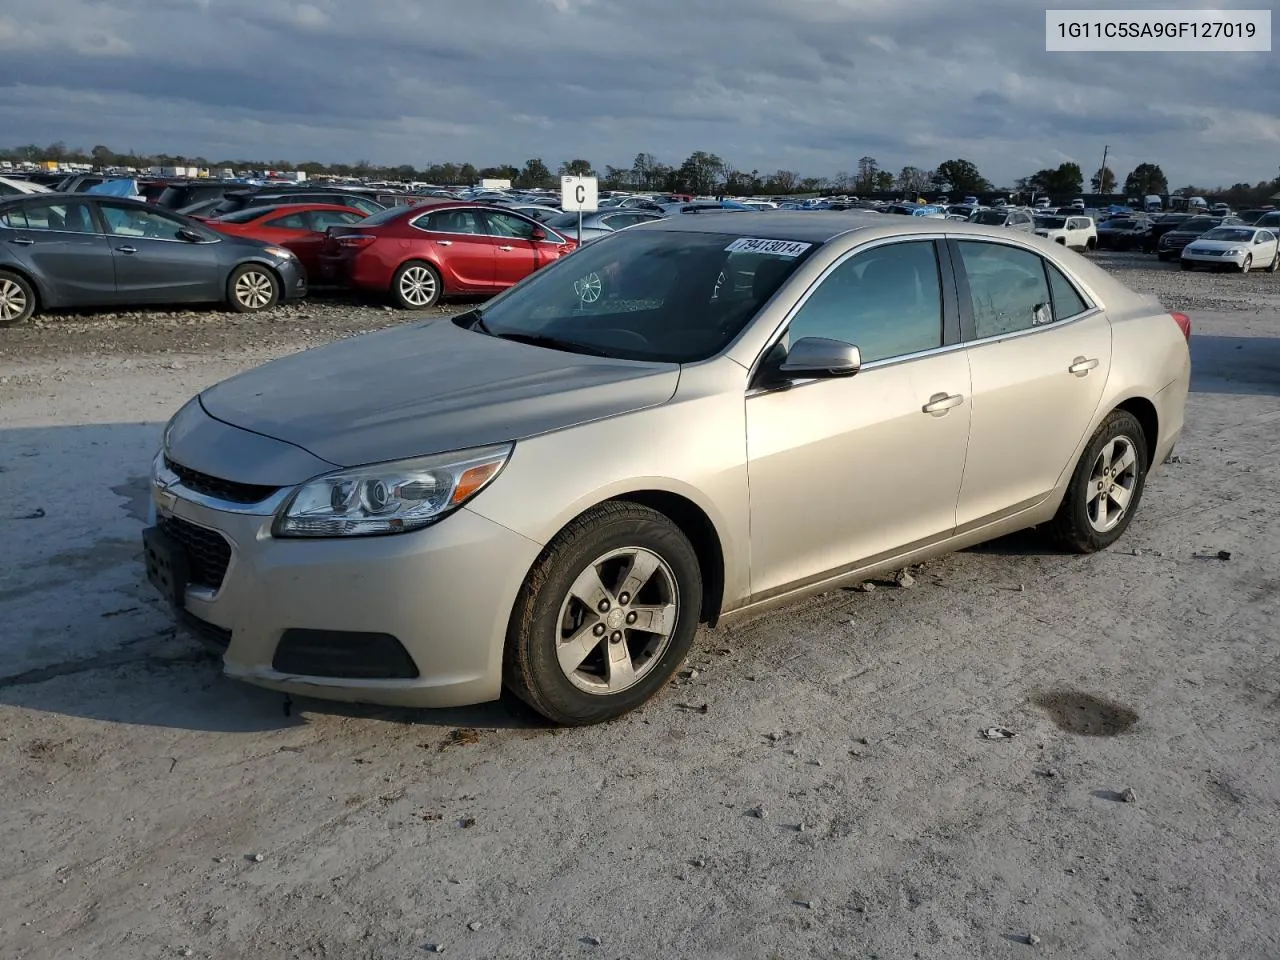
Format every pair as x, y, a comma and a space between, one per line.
216, 487
208, 552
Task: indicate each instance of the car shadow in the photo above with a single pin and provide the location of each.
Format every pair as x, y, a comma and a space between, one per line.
86, 636
1235, 365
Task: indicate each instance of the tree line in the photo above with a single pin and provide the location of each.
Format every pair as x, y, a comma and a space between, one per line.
701, 172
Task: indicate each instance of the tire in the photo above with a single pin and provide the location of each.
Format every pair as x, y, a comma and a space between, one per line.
1090, 244
252, 288
17, 299
1275, 263
1164, 256
1186, 265
416, 286
560, 600
1248, 263
1079, 526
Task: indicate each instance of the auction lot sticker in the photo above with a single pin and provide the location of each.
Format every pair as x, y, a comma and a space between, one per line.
779, 248
1155, 31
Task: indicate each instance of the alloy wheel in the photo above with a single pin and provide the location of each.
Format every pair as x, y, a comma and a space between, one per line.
13, 301
1111, 484
418, 287
1248, 263
617, 621
254, 289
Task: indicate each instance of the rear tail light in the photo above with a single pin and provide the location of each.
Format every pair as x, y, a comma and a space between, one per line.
1183, 322
354, 241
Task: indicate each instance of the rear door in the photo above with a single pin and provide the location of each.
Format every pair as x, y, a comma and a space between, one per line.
461, 247
153, 263
1039, 354
59, 241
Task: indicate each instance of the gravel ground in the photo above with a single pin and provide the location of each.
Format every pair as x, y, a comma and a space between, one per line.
820, 788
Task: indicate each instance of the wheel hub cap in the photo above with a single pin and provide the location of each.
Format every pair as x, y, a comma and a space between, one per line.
1112, 484
617, 621
12, 301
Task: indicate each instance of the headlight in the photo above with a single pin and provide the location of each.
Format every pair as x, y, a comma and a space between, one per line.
1233, 253
389, 497
281, 252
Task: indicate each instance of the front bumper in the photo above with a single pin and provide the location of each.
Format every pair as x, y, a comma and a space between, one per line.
293, 279
445, 593
1211, 259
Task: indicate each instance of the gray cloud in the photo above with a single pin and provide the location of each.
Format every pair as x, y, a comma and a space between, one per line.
810, 85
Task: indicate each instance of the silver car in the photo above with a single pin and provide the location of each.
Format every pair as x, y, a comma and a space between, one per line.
684, 422
601, 223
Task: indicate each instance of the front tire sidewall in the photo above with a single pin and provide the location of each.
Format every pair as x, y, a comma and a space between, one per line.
1247, 265
1071, 527
234, 301
531, 668
398, 298
28, 292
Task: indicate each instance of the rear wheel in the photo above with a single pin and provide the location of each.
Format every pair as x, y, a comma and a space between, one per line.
605, 617
416, 286
1105, 488
252, 288
17, 299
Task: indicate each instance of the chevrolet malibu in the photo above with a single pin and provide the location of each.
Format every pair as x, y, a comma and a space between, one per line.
679, 423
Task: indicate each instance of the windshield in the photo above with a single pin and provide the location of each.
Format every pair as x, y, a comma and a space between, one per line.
1269, 220
663, 296
1234, 234
1119, 223
245, 215
992, 218
563, 221
1051, 223
1199, 224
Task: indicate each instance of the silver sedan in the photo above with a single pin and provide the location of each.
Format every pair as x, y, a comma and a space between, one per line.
684, 422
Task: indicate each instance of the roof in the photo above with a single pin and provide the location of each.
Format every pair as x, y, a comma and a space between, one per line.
817, 226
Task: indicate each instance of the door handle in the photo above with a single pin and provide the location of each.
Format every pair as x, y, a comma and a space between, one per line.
127, 249
22, 241
940, 403
1082, 365
506, 249
445, 243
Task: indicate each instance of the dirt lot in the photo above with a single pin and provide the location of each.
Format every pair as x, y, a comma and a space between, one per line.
153, 809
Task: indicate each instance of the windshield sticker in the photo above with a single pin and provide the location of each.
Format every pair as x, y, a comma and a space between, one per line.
779, 248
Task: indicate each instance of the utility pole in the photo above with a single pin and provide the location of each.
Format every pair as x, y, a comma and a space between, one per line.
1102, 174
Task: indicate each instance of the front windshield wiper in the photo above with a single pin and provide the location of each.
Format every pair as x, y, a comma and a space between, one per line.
553, 343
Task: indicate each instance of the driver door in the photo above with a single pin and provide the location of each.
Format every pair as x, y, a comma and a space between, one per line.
844, 472
153, 263
517, 251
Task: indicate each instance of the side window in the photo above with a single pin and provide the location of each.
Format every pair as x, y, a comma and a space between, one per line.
506, 225
451, 221
293, 221
360, 203
128, 221
65, 217
322, 220
1265, 236
1007, 287
1067, 302
618, 220
887, 302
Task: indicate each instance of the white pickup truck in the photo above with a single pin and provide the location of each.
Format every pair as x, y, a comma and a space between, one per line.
1076, 232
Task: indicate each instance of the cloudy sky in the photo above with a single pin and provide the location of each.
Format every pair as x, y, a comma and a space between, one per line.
806, 85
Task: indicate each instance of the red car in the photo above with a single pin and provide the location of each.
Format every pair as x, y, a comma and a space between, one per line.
299, 227
439, 248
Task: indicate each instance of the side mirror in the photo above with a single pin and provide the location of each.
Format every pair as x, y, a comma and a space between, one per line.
539, 233
820, 358
189, 235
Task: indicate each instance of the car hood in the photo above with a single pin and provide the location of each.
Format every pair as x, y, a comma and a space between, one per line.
1220, 244
429, 388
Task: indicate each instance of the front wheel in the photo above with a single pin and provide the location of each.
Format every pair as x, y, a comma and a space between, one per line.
605, 617
1275, 263
1248, 264
1105, 488
17, 299
252, 288
416, 286
1186, 265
